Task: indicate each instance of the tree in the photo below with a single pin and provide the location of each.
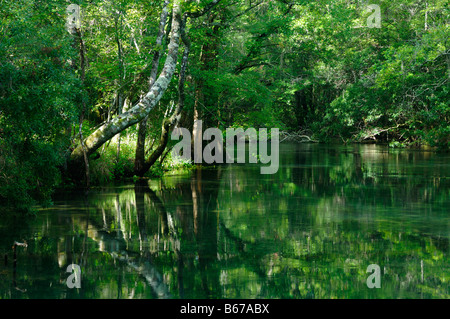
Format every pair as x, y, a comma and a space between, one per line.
39, 94
146, 104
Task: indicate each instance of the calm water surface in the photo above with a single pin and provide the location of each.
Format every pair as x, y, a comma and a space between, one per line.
309, 231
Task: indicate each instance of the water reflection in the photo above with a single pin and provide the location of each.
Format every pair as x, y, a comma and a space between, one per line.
309, 231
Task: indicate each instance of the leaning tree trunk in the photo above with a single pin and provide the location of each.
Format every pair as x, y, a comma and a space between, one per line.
139, 158
147, 103
170, 123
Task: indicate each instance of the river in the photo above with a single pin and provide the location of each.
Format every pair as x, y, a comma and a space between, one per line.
309, 231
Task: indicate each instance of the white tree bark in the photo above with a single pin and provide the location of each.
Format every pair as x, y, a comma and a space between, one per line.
147, 103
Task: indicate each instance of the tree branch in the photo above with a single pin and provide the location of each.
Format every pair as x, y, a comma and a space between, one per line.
147, 103
170, 123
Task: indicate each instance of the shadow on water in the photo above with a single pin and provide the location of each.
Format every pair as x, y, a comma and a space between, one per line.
309, 231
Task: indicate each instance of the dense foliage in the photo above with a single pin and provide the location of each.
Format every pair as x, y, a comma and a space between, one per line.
39, 94
309, 66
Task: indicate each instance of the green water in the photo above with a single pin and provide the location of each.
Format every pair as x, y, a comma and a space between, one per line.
309, 231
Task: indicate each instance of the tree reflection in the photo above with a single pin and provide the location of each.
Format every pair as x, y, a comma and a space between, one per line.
309, 231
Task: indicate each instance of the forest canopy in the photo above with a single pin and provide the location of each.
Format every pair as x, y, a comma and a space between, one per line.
97, 102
